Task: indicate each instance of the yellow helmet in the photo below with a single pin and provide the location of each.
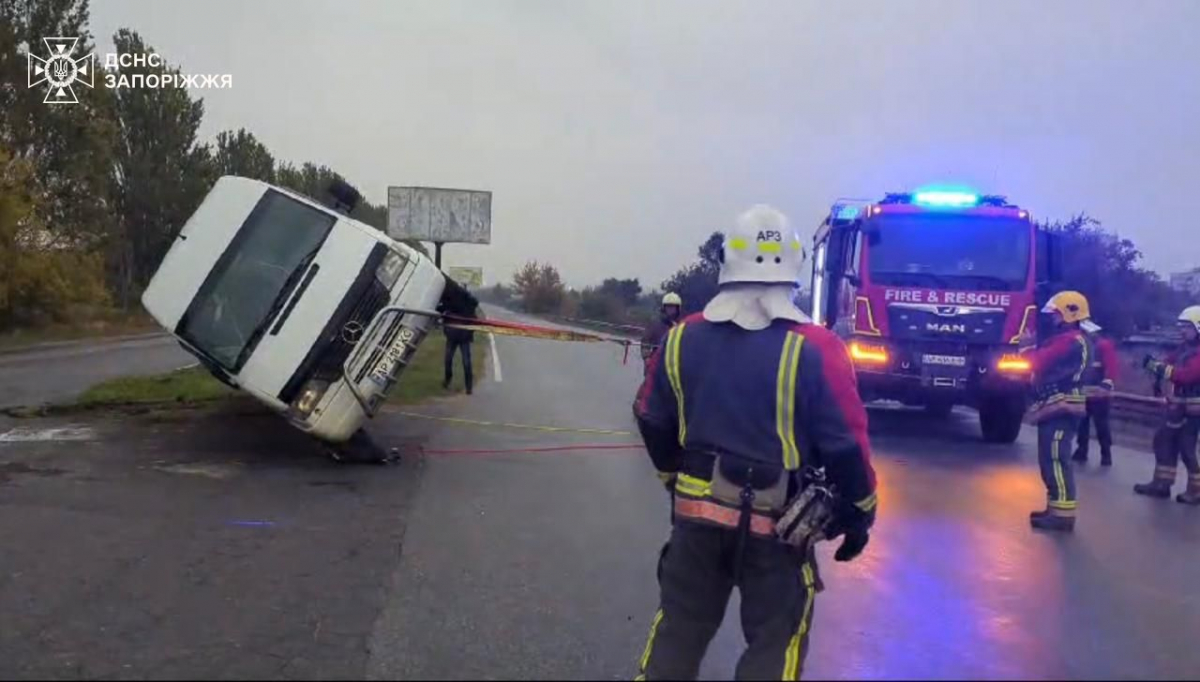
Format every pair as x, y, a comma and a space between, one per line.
672, 298
1071, 304
1191, 314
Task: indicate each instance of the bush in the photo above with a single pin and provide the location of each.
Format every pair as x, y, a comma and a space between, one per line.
39, 280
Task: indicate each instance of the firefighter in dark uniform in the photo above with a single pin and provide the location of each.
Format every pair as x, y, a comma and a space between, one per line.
741, 401
1099, 384
1176, 439
1059, 366
669, 314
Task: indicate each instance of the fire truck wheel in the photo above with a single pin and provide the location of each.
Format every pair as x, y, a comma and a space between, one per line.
1000, 418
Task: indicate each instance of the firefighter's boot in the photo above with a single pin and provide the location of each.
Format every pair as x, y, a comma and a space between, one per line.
1080, 456
1105, 457
1191, 496
1160, 486
1049, 520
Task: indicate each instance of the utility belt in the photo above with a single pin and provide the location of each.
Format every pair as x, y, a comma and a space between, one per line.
1060, 404
753, 499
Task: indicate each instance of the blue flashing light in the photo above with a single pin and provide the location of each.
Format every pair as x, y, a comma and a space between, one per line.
946, 198
847, 212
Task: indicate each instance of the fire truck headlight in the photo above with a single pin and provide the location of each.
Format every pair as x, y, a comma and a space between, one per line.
868, 353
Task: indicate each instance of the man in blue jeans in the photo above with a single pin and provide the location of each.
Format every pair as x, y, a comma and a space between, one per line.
459, 303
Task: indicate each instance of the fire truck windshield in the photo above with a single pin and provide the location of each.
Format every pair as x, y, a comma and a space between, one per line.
949, 250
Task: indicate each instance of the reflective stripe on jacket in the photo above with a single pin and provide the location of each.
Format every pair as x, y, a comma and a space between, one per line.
1059, 367
784, 396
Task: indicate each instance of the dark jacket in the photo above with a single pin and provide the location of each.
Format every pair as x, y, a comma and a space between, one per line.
1101, 377
786, 396
653, 337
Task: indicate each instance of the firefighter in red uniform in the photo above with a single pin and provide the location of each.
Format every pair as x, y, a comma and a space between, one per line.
1176, 439
1059, 366
669, 313
1099, 383
742, 405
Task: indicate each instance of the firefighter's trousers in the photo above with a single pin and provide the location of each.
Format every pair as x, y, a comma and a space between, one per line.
1176, 440
1098, 412
696, 578
1054, 437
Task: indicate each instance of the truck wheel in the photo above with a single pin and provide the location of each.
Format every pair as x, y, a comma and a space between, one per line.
360, 449
1000, 418
939, 409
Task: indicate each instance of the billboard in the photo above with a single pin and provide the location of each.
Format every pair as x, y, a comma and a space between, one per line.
432, 214
469, 277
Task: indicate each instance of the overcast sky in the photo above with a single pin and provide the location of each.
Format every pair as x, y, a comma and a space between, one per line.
617, 135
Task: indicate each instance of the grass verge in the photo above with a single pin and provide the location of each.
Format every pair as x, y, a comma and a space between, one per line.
423, 377
98, 326
195, 387
189, 387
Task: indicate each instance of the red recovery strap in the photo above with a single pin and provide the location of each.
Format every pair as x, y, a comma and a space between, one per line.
722, 516
505, 328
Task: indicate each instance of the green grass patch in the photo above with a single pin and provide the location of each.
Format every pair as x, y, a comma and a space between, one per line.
422, 378
90, 325
189, 386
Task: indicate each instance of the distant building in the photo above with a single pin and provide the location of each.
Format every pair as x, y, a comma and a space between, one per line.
1188, 281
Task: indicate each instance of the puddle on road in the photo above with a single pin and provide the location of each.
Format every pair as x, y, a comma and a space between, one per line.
28, 434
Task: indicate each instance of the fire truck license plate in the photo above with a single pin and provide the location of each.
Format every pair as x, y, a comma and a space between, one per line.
945, 360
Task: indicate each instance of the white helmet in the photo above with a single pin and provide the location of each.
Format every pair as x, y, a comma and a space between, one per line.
1191, 314
762, 248
672, 298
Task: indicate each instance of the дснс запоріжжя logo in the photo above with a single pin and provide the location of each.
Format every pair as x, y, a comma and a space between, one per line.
61, 70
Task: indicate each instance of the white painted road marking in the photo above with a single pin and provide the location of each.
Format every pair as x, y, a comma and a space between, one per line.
499, 375
25, 434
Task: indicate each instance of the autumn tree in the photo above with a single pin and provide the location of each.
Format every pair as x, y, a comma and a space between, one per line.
540, 287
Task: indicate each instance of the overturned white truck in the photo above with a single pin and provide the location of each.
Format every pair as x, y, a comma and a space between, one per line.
304, 308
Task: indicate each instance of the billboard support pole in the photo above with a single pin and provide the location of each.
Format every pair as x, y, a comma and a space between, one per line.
437, 254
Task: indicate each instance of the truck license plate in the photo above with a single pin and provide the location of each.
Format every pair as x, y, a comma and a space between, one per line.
392, 356
944, 360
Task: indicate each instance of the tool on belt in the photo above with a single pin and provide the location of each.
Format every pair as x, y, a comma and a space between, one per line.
807, 516
760, 494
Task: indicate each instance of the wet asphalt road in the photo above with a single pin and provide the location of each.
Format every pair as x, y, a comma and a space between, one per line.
542, 565
59, 372
226, 546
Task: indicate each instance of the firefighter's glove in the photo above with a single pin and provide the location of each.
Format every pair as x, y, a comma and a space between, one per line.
850, 521
1155, 367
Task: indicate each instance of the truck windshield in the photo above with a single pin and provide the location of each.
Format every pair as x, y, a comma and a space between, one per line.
253, 277
952, 251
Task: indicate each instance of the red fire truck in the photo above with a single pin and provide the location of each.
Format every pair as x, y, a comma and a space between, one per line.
933, 291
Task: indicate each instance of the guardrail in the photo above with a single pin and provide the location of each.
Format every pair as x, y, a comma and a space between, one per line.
1138, 409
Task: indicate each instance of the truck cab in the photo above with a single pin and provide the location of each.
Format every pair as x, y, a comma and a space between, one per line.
311, 312
933, 292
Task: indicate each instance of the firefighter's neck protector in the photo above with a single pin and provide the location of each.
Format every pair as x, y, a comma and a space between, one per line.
754, 306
